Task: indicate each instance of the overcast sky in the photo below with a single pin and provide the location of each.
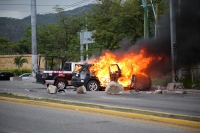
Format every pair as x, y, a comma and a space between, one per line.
21, 8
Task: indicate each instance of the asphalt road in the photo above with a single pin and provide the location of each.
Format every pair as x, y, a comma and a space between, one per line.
186, 104
25, 118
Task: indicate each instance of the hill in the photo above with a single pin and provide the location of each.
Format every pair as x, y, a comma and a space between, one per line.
13, 28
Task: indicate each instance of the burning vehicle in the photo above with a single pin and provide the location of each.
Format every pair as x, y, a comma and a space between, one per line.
130, 68
85, 74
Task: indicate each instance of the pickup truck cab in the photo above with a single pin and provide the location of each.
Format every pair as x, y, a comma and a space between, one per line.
60, 78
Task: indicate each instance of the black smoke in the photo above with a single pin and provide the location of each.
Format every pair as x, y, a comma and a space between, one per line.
187, 37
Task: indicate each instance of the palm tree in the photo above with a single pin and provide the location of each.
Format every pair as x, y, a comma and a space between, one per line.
19, 61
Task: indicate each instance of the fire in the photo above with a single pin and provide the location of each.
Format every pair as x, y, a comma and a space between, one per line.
130, 64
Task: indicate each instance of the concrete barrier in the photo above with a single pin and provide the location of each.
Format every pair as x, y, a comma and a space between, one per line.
15, 78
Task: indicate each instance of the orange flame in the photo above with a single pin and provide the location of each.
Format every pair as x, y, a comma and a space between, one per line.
129, 63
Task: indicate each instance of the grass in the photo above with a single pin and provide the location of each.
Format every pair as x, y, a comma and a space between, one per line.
165, 115
162, 81
187, 82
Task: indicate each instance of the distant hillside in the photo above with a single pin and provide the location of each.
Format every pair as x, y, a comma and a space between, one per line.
13, 28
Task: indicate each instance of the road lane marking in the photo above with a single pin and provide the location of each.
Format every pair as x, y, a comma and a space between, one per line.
108, 112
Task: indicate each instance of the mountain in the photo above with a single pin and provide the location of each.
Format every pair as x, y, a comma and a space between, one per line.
13, 28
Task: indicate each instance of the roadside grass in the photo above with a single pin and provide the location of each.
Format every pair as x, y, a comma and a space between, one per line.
187, 82
151, 113
161, 81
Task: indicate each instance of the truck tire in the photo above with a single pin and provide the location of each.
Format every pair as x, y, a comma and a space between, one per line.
93, 85
142, 82
61, 84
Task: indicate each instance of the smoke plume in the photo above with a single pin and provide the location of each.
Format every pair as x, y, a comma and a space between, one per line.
187, 38
187, 14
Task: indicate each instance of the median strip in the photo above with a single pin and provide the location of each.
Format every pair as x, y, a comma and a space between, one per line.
125, 112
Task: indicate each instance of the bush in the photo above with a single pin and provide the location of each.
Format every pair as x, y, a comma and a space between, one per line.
187, 82
17, 72
7, 70
162, 81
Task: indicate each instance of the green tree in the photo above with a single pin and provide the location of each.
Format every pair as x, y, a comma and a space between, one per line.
58, 39
19, 61
7, 47
115, 20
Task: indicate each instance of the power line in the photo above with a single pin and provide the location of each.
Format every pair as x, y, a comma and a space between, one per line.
30, 5
70, 6
45, 5
66, 6
14, 10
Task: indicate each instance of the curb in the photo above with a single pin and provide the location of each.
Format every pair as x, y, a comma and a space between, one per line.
109, 112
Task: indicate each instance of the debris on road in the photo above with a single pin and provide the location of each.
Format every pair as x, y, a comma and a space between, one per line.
158, 92
81, 90
61, 90
114, 88
180, 92
30, 90
52, 89
134, 91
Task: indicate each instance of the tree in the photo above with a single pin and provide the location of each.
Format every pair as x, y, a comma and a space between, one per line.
7, 47
59, 39
115, 20
19, 61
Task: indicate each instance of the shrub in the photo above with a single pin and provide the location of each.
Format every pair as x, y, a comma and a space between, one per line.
162, 81
17, 72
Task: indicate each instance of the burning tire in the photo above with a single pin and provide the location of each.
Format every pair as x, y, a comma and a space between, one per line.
142, 82
138, 86
60, 84
93, 85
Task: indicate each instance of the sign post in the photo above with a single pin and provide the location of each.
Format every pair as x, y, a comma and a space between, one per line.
85, 38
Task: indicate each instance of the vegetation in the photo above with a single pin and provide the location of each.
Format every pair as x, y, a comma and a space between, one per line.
161, 81
19, 61
57, 34
17, 72
115, 20
13, 29
188, 83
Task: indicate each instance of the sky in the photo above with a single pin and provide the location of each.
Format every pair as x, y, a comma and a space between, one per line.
21, 8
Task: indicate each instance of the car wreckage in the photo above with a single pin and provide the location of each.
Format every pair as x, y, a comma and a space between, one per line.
84, 74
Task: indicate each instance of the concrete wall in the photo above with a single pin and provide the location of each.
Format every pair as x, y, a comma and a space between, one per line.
7, 62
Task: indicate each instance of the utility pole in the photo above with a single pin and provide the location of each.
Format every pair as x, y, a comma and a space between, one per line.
175, 83
146, 25
34, 38
173, 43
156, 22
81, 44
86, 43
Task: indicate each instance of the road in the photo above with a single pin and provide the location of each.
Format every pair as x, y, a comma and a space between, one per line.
25, 118
186, 104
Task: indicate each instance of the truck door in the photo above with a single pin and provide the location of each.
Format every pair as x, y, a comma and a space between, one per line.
115, 72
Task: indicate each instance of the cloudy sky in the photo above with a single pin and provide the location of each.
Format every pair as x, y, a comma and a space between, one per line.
21, 8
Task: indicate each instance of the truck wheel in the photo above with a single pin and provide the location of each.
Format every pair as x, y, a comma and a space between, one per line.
142, 82
138, 86
93, 85
61, 84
